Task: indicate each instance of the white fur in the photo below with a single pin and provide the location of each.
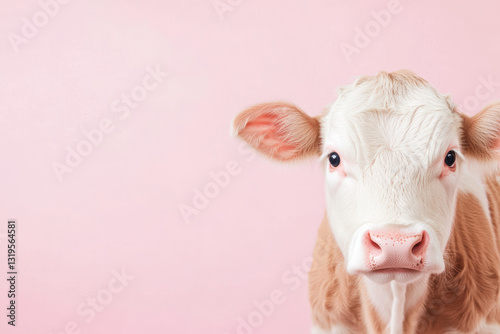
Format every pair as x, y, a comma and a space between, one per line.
392, 149
398, 307
382, 296
472, 182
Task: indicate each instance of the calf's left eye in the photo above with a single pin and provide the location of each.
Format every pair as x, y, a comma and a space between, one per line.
450, 159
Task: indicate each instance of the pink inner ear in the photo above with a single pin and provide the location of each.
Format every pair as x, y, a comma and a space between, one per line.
264, 120
267, 134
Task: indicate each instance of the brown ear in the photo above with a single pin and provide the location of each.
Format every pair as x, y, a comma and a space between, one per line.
481, 133
279, 130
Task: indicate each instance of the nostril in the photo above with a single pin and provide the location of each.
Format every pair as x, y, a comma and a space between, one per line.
374, 245
418, 249
374, 248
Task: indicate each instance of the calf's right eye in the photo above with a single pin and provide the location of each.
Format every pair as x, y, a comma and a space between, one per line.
334, 159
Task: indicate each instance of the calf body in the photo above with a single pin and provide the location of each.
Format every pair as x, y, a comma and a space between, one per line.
409, 241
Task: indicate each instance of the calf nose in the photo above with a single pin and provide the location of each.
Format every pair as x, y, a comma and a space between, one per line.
395, 250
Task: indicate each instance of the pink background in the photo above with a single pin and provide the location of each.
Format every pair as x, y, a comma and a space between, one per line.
120, 208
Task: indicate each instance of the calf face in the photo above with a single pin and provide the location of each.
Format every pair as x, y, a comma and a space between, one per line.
395, 153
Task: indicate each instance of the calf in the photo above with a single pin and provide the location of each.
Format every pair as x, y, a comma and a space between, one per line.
409, 241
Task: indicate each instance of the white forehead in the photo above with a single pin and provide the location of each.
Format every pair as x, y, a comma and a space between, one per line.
393, 112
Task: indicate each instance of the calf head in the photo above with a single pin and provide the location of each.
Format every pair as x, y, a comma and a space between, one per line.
395, 153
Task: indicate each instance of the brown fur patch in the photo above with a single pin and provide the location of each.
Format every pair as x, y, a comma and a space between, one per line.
468, 289
334, 295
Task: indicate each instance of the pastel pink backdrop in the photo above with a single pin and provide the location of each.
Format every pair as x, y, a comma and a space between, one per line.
120, 208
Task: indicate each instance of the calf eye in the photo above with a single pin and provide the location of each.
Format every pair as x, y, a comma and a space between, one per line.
450, 159
334, 159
